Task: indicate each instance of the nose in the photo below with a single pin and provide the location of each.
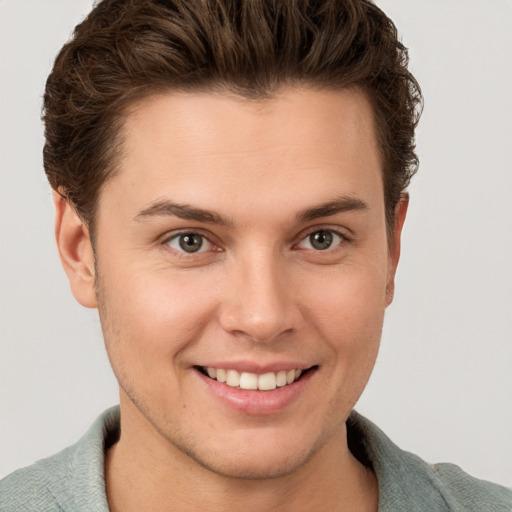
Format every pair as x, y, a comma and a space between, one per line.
258, 299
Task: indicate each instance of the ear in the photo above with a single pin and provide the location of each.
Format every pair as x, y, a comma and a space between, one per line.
75, 250
395, 245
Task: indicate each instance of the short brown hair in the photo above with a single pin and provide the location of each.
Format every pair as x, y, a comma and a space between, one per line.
128, 49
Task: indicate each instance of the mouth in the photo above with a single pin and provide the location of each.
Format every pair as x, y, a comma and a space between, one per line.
252, 381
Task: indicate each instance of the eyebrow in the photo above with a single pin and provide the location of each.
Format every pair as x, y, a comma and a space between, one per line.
339, 205
165, 207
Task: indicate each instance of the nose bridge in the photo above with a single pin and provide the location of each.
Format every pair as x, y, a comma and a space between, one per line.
257, 302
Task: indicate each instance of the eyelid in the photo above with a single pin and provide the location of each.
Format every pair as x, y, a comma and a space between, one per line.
335, 230
165, 239
344, 232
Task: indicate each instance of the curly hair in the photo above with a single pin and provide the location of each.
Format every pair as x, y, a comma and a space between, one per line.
125, 50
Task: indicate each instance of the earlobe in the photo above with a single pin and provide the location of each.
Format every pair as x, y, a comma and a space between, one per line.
75, 250
395, 245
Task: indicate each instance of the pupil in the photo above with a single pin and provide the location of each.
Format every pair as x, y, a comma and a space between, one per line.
191, 242
321, 240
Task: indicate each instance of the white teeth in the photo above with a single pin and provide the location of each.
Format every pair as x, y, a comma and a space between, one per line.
233, 378
281, 378
247, 380
267, 381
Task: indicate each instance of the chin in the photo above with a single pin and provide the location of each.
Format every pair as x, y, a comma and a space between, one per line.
254, 459
253, 468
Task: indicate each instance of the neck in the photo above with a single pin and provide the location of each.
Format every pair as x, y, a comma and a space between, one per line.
154, 475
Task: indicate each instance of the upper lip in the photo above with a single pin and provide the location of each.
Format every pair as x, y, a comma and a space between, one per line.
257, 368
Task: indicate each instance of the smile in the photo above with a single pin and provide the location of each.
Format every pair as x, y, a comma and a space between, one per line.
252, 381
257, 394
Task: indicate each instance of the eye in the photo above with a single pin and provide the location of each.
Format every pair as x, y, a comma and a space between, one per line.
189, 242
321, 240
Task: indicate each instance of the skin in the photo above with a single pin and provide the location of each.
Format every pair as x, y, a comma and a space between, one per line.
257, 291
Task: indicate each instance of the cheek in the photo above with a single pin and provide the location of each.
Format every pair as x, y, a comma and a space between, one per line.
344, 312
352, 295
347, 310
149, 317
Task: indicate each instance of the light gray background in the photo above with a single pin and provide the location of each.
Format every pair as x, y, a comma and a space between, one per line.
443, 380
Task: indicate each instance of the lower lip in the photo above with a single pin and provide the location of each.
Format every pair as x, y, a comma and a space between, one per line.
254, 402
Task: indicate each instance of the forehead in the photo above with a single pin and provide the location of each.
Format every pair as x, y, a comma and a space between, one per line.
206, 146
290, 116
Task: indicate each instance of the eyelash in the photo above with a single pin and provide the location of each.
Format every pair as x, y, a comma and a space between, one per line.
342, 239
303, 237
183, 253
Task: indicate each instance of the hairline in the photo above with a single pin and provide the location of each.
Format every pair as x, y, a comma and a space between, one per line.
236, 93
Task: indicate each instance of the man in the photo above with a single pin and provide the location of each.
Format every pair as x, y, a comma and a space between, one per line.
230, 192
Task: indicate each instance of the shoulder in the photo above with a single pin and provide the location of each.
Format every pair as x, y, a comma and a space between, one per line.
72, 480
27, 489
408, 483
476, 494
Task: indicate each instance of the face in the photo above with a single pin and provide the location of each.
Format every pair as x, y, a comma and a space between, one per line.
244, 241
